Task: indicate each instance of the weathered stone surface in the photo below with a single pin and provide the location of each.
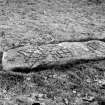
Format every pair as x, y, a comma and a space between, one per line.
33, 56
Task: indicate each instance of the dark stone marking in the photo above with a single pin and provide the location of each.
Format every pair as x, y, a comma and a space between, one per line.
36, 104
1, 55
